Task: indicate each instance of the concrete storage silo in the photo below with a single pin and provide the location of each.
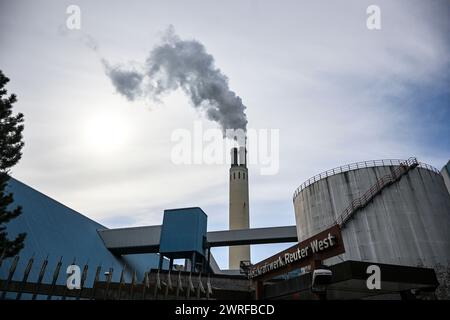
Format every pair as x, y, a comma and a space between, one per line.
445, 172
406, 222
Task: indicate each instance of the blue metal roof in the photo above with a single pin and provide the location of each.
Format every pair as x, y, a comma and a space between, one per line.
55, 230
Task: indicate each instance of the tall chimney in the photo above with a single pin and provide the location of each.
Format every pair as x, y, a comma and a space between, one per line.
238, 207
243, 156
234, 156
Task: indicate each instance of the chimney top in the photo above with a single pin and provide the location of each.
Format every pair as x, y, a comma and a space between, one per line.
234, 157
243, 157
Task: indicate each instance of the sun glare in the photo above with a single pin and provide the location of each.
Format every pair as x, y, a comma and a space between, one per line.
106, 132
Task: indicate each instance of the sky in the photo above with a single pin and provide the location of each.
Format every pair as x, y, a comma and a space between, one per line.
337, 92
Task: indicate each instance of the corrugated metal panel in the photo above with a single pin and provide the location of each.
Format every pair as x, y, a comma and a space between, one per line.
445, 172
183, 230
56, 230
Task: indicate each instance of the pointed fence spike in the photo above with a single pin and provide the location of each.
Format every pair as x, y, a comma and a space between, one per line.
96, 279
25, 277
2, 256
12, 270
108, 282
83, 279
132, 284
41, 276
55, 278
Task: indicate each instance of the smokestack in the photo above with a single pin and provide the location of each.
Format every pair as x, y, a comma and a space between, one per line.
238, 206
234, 156
243, 156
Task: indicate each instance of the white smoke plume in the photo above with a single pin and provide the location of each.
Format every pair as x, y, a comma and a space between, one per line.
184, 64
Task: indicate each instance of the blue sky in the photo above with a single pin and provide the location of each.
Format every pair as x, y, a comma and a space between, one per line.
338, 93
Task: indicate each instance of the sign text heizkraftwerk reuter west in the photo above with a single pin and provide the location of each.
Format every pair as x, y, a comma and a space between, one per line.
323, 245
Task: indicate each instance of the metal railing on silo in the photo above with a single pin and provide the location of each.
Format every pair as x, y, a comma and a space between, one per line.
356, 166
375, 189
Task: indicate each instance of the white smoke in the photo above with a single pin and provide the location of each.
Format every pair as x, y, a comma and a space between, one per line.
184, 64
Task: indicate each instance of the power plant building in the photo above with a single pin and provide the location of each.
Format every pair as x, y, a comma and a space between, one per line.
58, 235
445, 172
390, 211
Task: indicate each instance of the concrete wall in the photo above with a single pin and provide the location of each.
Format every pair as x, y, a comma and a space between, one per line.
445, 172
407, 224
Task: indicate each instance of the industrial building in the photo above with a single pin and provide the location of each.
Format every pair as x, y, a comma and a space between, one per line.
394, 214
390, 211
445, 172
57, 233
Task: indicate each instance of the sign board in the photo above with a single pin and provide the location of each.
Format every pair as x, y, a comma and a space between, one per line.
323, 245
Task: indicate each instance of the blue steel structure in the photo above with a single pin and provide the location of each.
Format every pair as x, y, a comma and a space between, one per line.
183, 235
56, 231
183, 232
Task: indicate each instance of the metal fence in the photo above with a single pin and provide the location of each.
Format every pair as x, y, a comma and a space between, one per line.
156, 284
